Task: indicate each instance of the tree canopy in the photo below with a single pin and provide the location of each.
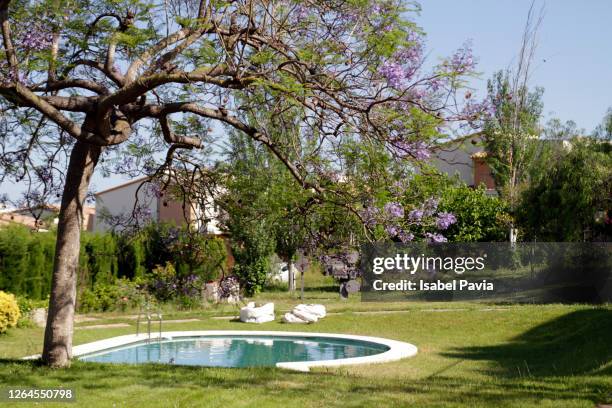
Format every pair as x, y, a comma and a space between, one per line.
115, 84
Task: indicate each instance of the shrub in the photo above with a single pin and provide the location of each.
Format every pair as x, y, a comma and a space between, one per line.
26, 261
121, 295
480, 217
163, 282
9, 311
566, 194
252, 275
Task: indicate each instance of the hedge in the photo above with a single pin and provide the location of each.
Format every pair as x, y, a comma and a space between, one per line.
26, 257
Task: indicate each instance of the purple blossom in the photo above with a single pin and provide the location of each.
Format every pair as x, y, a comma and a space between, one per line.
418, 150
430, 206
415, 215
445, 220
36, 38
462, 60
475, 112
405, 236
300, 13
398, 187
392, 230
417, 93
412, 54
394, 210
436, 83
156, 190
9, 77
435, 237
394, 73
229, 286
404, 63
370, 216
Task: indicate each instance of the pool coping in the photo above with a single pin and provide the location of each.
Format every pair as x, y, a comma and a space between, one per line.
397, 349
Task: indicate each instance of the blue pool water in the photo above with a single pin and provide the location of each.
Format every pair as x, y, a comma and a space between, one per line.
237, 351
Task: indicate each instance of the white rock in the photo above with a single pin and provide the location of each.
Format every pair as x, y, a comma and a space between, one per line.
39, 317
305, 315
252, 314
316, 309
291, 318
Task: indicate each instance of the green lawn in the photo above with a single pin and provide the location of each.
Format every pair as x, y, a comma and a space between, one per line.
470, 355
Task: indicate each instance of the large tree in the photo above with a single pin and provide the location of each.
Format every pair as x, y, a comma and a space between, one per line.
512, 127
97, 82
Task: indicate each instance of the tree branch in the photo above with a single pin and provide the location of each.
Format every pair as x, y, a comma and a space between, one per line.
11, 56
172, 138
48, 110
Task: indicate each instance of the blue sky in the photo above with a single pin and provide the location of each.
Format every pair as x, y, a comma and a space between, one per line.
574, 56
573, 64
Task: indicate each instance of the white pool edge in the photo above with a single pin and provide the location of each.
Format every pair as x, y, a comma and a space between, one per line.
397, 349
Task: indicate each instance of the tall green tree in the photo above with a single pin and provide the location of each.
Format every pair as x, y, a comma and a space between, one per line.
604, 130
511, 133
572, 187
512, 127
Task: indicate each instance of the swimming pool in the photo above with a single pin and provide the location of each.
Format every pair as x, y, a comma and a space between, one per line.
238, 351
291, 350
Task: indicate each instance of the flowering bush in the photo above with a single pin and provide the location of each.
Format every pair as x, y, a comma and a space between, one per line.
229, 287
395, 223
163, 283
9, 311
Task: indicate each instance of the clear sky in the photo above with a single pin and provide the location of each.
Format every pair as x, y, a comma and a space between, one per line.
573, 64
574, 55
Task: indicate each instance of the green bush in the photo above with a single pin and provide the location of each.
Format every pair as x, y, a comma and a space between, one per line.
131, 257
213, 260
26, 305
162, 282
252, 274
9, 311
567, 192
122, 295
26, 260
480, 217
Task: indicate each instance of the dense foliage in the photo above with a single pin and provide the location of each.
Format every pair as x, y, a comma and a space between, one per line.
511, 132
571, 195
101, 81
26, 259
9, 311
480, 217
258, 192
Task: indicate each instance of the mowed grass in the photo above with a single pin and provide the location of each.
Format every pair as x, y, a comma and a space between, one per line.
470, 355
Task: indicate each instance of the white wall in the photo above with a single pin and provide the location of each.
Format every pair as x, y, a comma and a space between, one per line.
456, 159
120, 202
211, 213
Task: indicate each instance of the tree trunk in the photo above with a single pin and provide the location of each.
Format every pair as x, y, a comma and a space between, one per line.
291, 276
302, 283
57, 349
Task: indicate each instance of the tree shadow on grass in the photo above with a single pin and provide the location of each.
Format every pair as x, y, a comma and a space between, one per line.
95, 381
576, 343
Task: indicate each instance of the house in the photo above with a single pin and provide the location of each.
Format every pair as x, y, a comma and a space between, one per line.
42, 217
465, 158
141, 197
115, 207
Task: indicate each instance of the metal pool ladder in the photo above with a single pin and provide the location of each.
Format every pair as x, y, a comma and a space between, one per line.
146, 313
